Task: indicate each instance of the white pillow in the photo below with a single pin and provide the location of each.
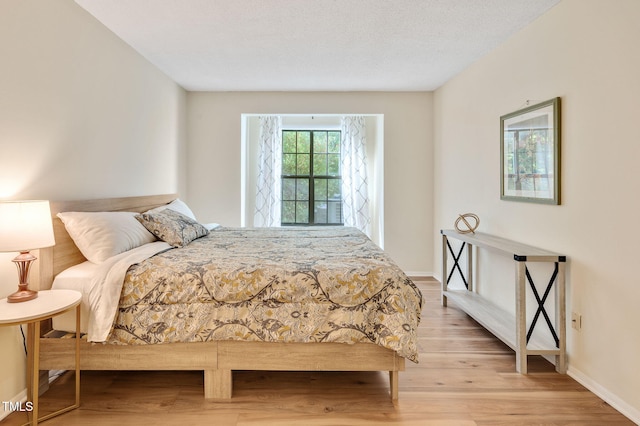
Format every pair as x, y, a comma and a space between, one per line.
176, 205
101, 235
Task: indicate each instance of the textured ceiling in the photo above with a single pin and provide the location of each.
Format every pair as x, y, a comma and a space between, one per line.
314, 45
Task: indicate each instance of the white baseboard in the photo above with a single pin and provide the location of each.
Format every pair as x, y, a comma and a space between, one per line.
21, 398
616, 402
418, 274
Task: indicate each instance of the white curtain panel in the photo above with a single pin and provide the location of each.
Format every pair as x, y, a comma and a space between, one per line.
355, 192
268, 193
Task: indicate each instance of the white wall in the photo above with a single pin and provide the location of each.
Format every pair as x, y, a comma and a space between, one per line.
584, 51
214, 157
82, 115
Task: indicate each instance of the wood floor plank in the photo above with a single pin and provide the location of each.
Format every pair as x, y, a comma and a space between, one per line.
465, 377
352, 420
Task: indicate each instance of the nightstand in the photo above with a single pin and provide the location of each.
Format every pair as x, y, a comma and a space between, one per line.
48, 304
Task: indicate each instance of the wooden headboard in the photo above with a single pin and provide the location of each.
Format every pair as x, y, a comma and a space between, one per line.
65, 254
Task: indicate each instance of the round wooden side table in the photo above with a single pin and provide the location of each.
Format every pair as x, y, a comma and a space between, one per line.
48, 304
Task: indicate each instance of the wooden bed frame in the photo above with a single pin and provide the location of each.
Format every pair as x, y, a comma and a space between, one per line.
217, 359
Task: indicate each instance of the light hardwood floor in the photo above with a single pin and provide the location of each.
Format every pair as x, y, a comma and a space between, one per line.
465, 377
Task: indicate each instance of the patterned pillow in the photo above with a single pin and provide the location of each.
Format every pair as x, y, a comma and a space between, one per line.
172, 227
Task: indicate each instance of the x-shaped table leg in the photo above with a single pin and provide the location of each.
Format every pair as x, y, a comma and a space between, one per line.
456, 265
541, 309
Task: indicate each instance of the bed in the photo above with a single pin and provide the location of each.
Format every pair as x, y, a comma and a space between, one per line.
253, 310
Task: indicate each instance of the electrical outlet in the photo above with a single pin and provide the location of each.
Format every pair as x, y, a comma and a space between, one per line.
576, 321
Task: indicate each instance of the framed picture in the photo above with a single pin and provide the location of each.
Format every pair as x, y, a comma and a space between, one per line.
530, 154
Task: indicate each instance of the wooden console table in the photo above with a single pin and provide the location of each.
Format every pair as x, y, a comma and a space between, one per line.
511, 329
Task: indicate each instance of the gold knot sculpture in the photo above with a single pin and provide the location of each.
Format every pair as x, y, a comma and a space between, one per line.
463, 218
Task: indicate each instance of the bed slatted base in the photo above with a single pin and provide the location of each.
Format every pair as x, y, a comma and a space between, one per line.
219, 359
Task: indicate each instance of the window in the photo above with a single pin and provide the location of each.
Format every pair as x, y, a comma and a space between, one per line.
311, 181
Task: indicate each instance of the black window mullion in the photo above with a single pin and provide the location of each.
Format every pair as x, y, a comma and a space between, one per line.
312, 195
310, 178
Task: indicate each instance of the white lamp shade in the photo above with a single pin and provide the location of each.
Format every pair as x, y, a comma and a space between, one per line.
25, 225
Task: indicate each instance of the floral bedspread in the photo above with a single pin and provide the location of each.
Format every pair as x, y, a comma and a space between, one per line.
322, 284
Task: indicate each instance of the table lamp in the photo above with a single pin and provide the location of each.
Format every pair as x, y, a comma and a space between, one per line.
24, 226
